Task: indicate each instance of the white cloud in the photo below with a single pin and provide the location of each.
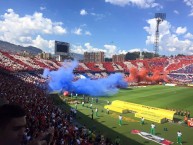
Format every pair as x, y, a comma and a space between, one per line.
172, 49
135, 50
88, 33
176, 12
191, 49
190, 4
139, 50
90, 48
181, 30
46, 45
122, 51
139, 3
77, 49
11, 22
83, 12
164, 29
77, 31
59, 30
80, 31
38, 41
42, 8
107, 48
169, 41
83, 25
110, 50
97, 16
188, 36
27, 30
191, 14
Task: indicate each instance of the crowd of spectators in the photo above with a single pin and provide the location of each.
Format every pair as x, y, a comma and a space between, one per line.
187, 70
180, 68
32, 78
30, 62
158, 64
9, 64
181, 78
42, 113
29, 91
16, 62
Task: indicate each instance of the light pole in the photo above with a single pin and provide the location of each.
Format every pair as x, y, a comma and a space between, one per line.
159, 18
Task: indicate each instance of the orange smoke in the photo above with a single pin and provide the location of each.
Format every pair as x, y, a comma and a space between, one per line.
132, 76
142, 75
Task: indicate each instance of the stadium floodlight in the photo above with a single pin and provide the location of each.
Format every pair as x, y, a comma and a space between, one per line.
159, 17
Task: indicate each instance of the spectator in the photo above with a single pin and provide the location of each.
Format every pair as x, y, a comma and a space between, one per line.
41, 113
12, 126
117, 140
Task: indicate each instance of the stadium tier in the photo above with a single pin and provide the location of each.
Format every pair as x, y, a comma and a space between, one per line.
176, 65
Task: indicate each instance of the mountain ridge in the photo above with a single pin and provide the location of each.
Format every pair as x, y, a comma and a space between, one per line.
10, 47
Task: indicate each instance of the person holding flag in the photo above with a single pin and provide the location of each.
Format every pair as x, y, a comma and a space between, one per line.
142, 121
91, 106
82, 103
179, 137
120, 120
96, 111
153, 129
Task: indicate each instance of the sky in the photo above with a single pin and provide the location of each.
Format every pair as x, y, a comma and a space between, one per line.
112, 26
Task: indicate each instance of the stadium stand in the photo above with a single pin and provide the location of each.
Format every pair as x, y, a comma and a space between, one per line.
83, 66
108, 66
176, 67
25, 73
42, 113
93, 67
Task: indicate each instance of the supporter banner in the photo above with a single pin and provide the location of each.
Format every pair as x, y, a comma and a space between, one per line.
190, 123
171, 85
151, 117
190, 85
138, 108
151, 137
116, 109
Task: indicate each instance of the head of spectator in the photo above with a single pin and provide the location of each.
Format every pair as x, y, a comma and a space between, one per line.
12, 124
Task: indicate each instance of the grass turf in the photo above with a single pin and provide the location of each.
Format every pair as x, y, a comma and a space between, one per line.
157, 96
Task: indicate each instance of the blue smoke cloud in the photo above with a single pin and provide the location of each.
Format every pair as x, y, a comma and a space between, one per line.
62, 79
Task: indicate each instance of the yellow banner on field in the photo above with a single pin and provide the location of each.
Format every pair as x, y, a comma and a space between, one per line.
151, 117
142, 110
116, 109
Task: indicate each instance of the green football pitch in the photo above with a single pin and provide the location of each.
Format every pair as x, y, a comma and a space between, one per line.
180, 98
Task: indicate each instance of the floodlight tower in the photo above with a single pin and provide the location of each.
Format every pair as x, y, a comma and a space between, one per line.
159, 18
